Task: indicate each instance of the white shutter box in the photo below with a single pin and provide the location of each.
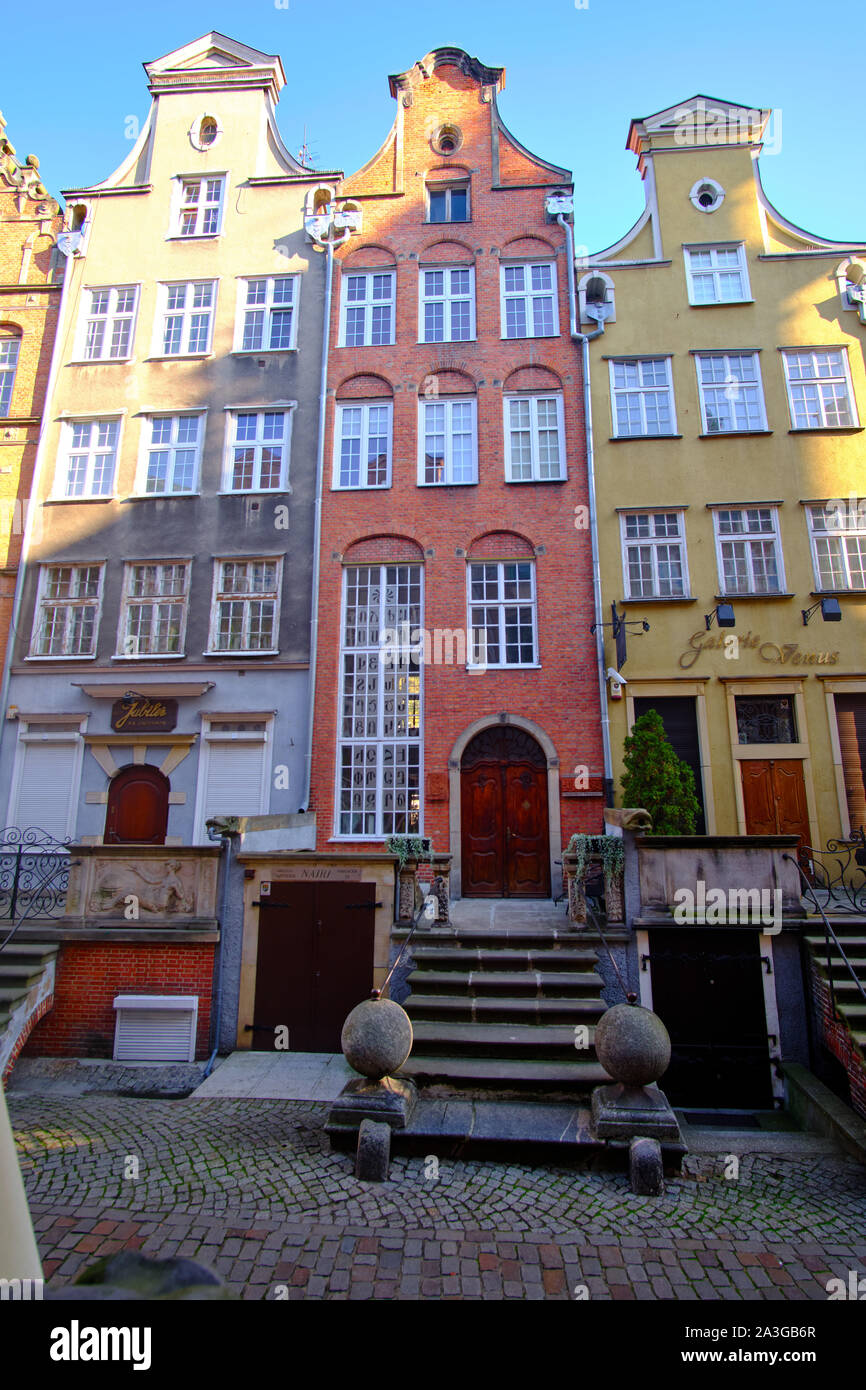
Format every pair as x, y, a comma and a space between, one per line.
45, 787
234, 779
155, 1027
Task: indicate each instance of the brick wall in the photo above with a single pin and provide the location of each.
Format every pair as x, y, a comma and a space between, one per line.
837, 1039
91, 974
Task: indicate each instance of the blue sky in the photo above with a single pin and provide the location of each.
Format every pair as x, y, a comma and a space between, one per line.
71, 74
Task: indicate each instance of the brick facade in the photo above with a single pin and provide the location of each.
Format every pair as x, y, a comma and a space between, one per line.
89, 976
442, 526
836, 1037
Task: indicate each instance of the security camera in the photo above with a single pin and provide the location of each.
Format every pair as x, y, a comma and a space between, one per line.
616, 683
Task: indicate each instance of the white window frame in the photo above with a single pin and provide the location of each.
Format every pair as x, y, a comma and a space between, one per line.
447, 299
268, 309
448, 403
127, 646
368, 304
405, 660
536, 465
338, 485
643, 391
220, 595
834, 378
653, 542
527, 296
731, 386
827, 525
173, 448
185, 314
93, 602
501, 603
9, 370
258, 445
69, 729
110, 319
447, 188
180, 206
62, 476
215, 730
717, 272
772, 534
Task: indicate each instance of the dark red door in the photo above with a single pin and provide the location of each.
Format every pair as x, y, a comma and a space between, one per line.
774, 796
137, 807
503, 809
314, 962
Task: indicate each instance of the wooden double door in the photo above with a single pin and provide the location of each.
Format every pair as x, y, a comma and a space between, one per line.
505, 839
774, 797
314, 962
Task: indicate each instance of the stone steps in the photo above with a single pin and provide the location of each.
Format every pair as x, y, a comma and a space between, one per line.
496, 983
475, 1008
497, 1072
20, 968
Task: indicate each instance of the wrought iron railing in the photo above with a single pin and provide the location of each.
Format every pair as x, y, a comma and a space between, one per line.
838, 873
829, 935
34, 876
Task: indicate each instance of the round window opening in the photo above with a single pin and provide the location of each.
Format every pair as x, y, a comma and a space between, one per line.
207, 131
707, 195
447, 139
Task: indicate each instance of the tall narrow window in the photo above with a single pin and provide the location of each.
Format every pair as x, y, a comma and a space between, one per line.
187, 318
172, 453
730, 389
109, 323
9, 348
368, 309
153, 618
67, 611
528, 296
362, 445
502, 618
246, 606
534, 439
448, 305
379, 773
258, 453
448, 442
819, 388
266, 319
838, 535
87, 468
750, 553
654, 554
642, 397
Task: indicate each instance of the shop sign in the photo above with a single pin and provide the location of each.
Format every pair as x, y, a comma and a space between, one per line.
774, 653
143, 715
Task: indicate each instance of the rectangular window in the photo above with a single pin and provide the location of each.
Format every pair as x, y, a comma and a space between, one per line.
819, 389
717, 274
654, 554
448, 441
642, 398
266, 317
153, 619
90, 458
838, 536
528, 301
448, 203
199, 207
362, 453
368, 309
502, 618
187, 318
9, 348
765, 719
729, 385
234, 770
448, 305
109, 323
67, 611
379, 773
246, 606
534, 439
172, 453
258, 451
45, 780
749, 549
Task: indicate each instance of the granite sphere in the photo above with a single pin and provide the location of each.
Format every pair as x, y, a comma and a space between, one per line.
377, 1038
632, 1044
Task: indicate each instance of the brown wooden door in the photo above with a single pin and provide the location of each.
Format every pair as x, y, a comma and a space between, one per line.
137, 811
774, 794
504, 823
314, 962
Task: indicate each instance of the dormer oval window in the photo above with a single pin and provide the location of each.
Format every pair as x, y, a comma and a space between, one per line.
205, 131
447, 139
707, 195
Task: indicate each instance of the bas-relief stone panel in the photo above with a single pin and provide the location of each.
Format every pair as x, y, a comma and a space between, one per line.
177, 887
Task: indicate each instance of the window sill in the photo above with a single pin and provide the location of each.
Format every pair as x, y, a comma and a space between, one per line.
536, 482
720, 303
197, 236
837, 593
284, 491
640, 438
355, 346
149, 656
482, 670
731, 434
50, 501
445, 342
81, 657
449, 482
235, 655
158, 496
733, 598
529, 337
180, 357
827, 429
360, 487
659, 598
261, 352
100, 361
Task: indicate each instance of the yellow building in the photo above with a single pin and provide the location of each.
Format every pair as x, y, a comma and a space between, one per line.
728, 402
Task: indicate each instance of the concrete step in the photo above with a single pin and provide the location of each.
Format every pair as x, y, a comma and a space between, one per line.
502, 958
503, 1008
856, 941
28, 952
511, 982
19, 974
523, 938
519, 1040
579, 1076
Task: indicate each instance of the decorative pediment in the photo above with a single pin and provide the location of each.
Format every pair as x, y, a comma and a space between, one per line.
215, 60
700, 120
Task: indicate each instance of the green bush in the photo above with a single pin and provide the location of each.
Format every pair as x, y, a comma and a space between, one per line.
657, 779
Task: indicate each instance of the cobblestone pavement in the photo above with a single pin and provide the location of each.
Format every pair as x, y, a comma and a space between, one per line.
252, 1189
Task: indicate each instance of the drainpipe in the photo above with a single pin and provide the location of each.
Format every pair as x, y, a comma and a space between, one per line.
216, 1010
585, 339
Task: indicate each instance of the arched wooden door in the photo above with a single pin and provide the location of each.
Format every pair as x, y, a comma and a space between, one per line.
505, 841
137, 807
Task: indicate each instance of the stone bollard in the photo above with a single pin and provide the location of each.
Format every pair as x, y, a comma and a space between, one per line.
373, 1155
645, 1167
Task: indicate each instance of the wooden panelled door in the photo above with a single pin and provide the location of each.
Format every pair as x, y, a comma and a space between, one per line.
137, 810
505, 843
774, 795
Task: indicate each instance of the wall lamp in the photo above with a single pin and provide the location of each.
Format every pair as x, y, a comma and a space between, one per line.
723, 613
830, 611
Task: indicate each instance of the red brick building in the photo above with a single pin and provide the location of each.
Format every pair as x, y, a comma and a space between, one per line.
457, 691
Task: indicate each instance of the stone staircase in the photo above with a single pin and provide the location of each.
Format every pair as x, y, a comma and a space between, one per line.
24, 968
851, 932
497, 1007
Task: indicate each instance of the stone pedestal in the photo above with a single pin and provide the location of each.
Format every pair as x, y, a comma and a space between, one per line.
390, 1101
628, 1112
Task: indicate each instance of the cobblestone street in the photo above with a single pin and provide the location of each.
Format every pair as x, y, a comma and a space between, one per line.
251, 1189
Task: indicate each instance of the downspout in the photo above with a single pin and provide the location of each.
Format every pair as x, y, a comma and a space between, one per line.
585, 339
216, 1010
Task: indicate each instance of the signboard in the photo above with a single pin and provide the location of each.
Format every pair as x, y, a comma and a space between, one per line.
144, 714
316, 873
731, 644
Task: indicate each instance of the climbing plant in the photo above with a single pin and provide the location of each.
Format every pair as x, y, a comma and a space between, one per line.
608, 848
408, 847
